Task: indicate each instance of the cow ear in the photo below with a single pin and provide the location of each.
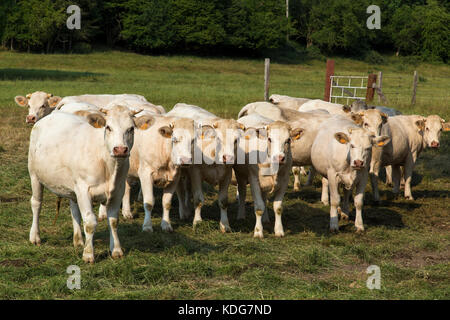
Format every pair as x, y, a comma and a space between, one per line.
215, 125
250, 133
446, 127
28, 96
207, 132
342, 137
384, 117
262, 133
296, 133
21, 101
346, 108
357, 118
49, 95
96, 120
53, 101
165, 131
143, 122
420, 124
381, 141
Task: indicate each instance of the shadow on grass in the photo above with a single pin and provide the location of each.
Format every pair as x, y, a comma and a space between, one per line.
39, 74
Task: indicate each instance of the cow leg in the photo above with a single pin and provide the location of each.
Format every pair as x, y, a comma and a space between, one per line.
359, 201
76, 221
242, 189
265, 217
344, 211
223, 202
102, 212
167, 204
36, 204
89, 221
388, 175
257, 200
278, 207
113, 222
196, 181
335, 200
396, 175
146, 180
324, 198
311, 174
296, 173
181, 194
408, 171
126, 206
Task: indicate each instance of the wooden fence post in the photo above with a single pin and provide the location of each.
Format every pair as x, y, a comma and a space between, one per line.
380, 84
330, 72
416, 77
266, 79
370, 87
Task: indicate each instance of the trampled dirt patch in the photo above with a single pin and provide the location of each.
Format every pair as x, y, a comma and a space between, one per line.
421, 258
14, 263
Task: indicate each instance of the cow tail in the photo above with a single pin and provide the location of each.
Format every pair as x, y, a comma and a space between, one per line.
58, 206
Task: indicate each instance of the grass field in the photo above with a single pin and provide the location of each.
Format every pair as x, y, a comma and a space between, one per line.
409, 241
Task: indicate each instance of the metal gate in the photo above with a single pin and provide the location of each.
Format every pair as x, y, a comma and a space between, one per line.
348, 87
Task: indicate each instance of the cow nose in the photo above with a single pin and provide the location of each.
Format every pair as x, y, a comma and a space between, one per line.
120, 151
435, 144
358, 164
280, 158
185, 160
31, 119
227, 158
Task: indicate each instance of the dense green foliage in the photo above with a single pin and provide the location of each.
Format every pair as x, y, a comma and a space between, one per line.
408, 27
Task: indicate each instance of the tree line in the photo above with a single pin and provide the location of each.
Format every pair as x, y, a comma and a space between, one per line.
408, 27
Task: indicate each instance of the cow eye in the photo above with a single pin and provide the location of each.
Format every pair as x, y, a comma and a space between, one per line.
428, 129
269, 139
108, 128
131, 130
352, 145
366, 125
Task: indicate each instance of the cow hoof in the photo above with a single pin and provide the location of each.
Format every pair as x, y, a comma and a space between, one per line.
359, 230
35, 239
88, 258
147, 229
127, 215
165, 226
117, 253
78, 241
409, 198
342, 215
325, 203
334, 230
225, 227
297, 187
258, 235
196, 222
279, 234
101, 217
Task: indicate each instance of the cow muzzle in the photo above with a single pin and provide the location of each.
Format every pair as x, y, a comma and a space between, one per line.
358, 164
120, 152
228, 158
31, 119
281, 158
435, 144
184, 161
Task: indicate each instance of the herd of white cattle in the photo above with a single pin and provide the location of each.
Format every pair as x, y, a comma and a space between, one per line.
93, 148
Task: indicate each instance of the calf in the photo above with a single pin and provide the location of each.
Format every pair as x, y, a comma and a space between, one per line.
40, 104
341, 153
161, 148
89, 163
269, 176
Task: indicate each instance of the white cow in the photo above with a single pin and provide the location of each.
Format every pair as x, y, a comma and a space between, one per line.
409, 136
40, 104
332, 108
217, 149
156, 160
84, 161
341, 153
267, 176
99, 100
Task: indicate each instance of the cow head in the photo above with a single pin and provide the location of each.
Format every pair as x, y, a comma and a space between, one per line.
432, 126
360, 142
373, 120
181, 133
39, 105
279, 137
118, 124
227, 135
